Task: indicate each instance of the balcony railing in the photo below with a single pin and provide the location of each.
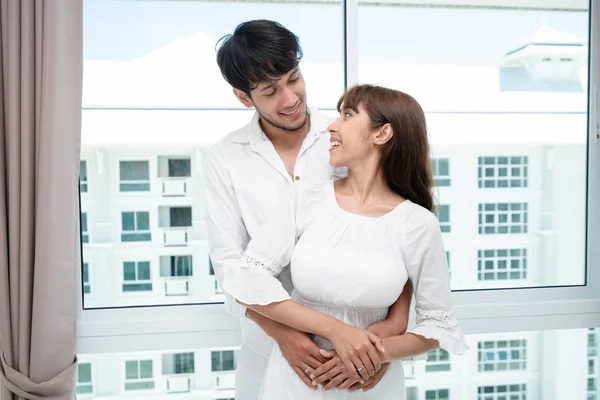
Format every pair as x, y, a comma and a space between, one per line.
174, 187
175, 236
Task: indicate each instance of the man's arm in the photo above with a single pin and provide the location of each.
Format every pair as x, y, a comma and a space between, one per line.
227, 235
228, 239
397, 320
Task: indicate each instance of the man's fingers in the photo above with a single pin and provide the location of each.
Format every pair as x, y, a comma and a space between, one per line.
313, 362
347, 383
374, 381
327, 353
358, 386
324, 368
336, 381
323, 379
304, 377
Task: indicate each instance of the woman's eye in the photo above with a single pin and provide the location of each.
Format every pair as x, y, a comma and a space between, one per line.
347, 114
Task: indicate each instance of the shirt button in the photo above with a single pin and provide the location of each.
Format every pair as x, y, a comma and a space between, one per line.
297, 178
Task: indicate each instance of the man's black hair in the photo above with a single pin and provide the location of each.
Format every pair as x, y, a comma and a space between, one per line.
257, 51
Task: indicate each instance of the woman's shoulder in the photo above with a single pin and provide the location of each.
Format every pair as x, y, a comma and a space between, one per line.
417, 217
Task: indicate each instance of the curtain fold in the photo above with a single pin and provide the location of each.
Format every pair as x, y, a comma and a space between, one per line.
41, 69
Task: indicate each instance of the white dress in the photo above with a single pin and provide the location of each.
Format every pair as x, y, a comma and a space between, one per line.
351, 267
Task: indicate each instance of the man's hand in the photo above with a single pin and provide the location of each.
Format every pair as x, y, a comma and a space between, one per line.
372, 382
301, 353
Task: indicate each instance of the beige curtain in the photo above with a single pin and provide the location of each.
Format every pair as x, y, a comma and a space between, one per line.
41, 63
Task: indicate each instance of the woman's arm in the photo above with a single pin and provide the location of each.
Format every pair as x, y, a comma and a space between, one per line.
408, 345
356, 347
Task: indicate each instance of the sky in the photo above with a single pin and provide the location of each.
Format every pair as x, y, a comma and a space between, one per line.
127, 29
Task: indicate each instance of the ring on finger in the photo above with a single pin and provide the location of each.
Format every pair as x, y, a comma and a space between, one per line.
307, 369
360, 368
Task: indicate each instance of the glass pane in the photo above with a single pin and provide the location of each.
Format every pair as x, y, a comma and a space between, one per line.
467, 72
143, 221
562, 372
134, 170
154, 101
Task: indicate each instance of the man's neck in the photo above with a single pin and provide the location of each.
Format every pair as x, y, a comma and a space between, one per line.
285, 140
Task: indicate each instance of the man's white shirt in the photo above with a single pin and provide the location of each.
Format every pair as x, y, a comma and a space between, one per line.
241, 174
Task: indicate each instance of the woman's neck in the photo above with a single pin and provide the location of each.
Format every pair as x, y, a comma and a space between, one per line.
365, 182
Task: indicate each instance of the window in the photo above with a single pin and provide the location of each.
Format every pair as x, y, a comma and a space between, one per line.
441, 171
593, 359
477, 103
135, 226
443, 214
83, 177
139, 375
438, 360
134, 176
502, 355
180, 216
439, 394
180, 167
501, 264
179, 363
502, 392
175, 266
136, 276
502, 218
84, 379
85, 236
503, 172
87, 286
225, 360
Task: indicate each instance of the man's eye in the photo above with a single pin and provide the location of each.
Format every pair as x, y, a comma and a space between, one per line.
270, 94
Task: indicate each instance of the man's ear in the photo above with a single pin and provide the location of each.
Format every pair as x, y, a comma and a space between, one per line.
243, 98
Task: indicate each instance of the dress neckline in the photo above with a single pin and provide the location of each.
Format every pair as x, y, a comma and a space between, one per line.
333, 199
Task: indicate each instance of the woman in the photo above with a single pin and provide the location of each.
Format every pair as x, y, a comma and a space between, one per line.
353, 244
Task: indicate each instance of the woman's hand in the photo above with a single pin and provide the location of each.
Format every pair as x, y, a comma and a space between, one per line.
358, 350
332, 374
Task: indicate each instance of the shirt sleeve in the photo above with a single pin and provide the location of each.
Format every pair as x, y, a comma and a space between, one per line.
254, 279
428, 270
227, 235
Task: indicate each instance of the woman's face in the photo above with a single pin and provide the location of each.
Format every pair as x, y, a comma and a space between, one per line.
352, 139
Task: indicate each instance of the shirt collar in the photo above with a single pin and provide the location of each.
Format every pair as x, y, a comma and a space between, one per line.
252, 132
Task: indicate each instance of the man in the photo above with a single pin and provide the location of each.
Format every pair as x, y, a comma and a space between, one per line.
286, 141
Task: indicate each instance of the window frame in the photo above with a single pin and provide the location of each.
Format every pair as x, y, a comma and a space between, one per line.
139, 379
435, 166
479, 311
522, 391
135, 231
135, 192
90, 383
137, 281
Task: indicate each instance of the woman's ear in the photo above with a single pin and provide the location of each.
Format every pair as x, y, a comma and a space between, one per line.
384, 134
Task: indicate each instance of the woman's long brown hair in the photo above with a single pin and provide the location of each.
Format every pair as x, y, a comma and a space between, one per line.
405, 159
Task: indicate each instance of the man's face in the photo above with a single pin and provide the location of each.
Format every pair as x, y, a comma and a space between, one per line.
281, 102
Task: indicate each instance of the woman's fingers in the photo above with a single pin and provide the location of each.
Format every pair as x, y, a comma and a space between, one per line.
377, 341
361, 365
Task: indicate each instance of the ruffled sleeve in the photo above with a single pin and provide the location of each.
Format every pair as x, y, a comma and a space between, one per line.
268, 252
427, 268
